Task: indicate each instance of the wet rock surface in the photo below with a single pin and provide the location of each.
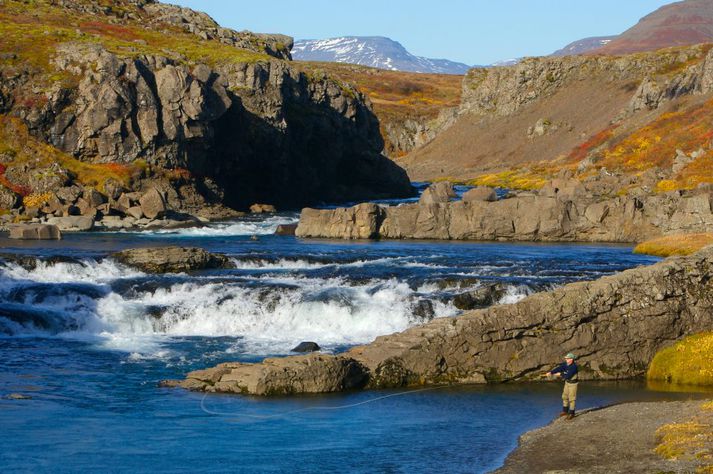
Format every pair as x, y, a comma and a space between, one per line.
306, 346
616, 324
171, 259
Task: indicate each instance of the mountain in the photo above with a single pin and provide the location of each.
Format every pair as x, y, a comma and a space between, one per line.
584, 45
677, 24
374, 51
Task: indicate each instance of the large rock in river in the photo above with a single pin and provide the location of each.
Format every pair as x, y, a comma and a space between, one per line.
358, 222
35, 232
171, 259
615, 324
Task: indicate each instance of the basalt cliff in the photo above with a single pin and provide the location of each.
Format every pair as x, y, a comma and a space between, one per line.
136, 95
615, 324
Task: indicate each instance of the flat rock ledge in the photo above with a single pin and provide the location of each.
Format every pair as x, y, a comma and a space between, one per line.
548, 216
615, 439
615, 324
171, 259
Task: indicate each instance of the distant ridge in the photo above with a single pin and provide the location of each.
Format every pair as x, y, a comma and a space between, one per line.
677, 24
584, 45
374, 51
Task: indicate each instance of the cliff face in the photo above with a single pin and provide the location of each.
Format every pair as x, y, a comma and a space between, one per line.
168, 88
411, 107
615, 325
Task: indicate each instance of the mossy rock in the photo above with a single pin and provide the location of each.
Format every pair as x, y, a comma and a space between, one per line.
688, 362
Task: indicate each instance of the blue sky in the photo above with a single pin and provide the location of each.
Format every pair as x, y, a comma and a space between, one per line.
469, 31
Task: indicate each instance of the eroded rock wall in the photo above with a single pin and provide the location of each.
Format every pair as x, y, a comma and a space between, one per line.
548, 216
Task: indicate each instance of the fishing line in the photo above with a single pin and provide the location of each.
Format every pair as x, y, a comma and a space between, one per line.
315, 408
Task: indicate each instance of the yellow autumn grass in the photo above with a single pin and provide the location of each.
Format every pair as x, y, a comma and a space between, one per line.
690, 440
688, 362
679, 244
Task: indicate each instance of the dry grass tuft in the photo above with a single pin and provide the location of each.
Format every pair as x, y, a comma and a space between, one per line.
688, 362
675, 245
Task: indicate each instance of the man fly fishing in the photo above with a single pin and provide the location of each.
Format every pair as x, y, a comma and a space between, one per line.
568, 372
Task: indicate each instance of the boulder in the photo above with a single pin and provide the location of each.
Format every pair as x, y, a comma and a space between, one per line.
171, 259
311, 373
306, 346
262, 208
34, 232
113, 188
136, 212
152, 204
438, 193
423, 310
52, 206
93, 197
482, 297
73, 223
286, 229
563, 188
359, 222
481, 193
8, 199
69, 194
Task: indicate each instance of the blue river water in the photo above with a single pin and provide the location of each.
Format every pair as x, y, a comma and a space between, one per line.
89, 339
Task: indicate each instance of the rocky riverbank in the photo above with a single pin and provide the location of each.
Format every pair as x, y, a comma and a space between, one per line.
616, 324
207, 116
621, 438
564, 210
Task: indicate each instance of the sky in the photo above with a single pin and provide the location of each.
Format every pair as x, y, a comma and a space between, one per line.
469, 31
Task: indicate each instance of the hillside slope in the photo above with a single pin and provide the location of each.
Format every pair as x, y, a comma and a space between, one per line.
135, 94
682, 23
643, 117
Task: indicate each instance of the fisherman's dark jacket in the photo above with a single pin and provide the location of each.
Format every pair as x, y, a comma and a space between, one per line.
569, 372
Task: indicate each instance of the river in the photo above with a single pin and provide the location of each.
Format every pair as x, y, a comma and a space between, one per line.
88, 340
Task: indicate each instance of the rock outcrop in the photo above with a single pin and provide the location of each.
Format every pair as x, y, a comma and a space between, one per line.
171, 259
562, 211
615, 324
233, 128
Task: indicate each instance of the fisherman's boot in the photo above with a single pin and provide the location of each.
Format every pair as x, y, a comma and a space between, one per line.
570, 415
565, 412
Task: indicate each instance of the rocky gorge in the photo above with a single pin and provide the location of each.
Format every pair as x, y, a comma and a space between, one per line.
206, 116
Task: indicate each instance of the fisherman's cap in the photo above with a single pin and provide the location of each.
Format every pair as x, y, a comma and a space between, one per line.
570, 356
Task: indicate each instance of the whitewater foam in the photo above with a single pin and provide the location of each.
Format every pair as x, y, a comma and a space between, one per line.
247, 226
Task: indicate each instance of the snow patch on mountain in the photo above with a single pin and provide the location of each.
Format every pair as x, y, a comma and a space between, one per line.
374, 51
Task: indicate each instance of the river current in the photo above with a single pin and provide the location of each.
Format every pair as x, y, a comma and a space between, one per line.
88, 340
